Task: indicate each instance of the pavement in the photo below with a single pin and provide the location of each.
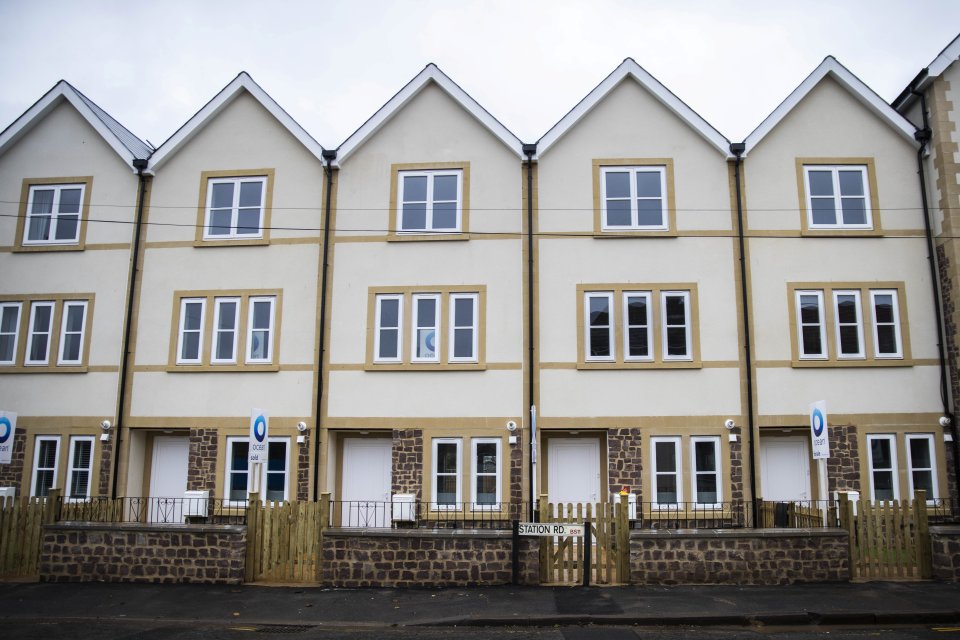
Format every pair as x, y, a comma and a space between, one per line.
809, 604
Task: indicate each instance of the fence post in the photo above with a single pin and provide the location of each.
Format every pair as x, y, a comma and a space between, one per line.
515, 552
587, 560
324, 511
546, 562
51, 511
623, 540
846, 522
924, 550
253, 536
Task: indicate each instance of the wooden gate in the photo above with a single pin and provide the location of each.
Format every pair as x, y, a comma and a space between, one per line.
21, 530
888, 539
563, 560
283, 540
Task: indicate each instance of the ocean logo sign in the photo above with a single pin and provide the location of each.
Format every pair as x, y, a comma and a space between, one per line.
428, 345
6, 429
260, 428
817, 422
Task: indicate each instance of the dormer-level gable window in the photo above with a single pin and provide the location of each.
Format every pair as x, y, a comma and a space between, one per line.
235, 208
53, 214
430, 201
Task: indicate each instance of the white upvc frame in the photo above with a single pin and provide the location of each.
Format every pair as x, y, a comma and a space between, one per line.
932, 469
632, 172
425, 323
588, 326
379, 328
12, 337
838, 197
34, 332
182, 330
429, 203
270, 331
821, 325
233, 233
675, 442
247, 471
473, 327
665, 327
858, 323
72, 469
54, 214
895, 310
475, 474
219, 332
435, 475
695, 472
65, 332
267, 472
34, 476
627, 296
891, 440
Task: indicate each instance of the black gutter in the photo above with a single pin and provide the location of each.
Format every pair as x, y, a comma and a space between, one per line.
737, 149
923, 137
329, 155
530, 150
139, 164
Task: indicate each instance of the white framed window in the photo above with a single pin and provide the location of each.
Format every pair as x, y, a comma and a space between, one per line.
46, 455
226, 318
260, 329
485, 485
80, 468
73, 326
675, 308
234, 208
190, 342
53, 214
238, 469
40, 333
882, 451
705, 462
922, 465
426, 327
9, 331
638, 334
667, 485
430, 201
599, 325
837, 197
274, 474
810, 325
633, 198
276, 471
388, 337
464, 326
885, 309
446, 489
849, 323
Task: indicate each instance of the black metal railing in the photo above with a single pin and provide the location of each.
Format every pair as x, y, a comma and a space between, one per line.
153, 510
425, 515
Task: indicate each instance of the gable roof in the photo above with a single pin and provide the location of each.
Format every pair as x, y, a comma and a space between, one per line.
949, 55
843, 77
243, 82
629, 68
127, 145
430, 74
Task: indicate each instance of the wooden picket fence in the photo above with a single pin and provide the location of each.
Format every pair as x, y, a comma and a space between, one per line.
795, 515
888, 539
284, 540
21, 529
563, 559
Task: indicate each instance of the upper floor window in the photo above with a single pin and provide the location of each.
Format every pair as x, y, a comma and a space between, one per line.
634, 198
430, 201
37, 333
235, 208
838, 196
53, 214
242, 332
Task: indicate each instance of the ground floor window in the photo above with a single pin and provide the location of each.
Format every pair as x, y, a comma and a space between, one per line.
446, 473
921, 463
45, 458
883, 467
486, 473
274, 484
81, 468
703, 482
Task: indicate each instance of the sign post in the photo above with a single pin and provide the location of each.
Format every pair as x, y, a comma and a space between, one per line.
8, 429
820, 438
258, 450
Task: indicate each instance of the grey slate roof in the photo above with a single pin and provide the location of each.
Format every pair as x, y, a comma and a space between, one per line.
135, 145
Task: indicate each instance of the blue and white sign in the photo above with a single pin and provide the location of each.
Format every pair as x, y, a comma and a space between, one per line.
819, 432
8, 428
259, 426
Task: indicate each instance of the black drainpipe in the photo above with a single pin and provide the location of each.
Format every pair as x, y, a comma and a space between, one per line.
329, 155
737, 149
923, 137
530, 150
139, 164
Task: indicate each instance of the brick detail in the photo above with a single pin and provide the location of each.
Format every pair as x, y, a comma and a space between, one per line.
106, 465
625, 463
303, 470
736, 466
132, 553
945, 545
428, 559
408, 461
515, 455
11, 475
201, 474
756, 557
843, 465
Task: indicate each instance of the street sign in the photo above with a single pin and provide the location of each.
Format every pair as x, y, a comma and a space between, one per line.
819, 434
8, 427
259, 424
550, 529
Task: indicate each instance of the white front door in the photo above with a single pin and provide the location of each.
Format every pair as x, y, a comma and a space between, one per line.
168, 478
365, 490
784, 469
573, 470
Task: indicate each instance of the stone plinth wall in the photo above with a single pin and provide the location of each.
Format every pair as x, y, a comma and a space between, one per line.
424, 558
89, 552
945, 545
739, 556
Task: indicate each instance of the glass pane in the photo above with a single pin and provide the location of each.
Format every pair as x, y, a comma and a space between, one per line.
39, 228
222, 195
886, 339
666, 489
192, 313
79, 482
388, 343
649, 213
599, 311
676, 310
414, 216
238, 486
883, 307
69, 201
618, 184
923, 481
851, 183
41, 318
487, 490
426, 312
191, 346
666, 455
81, 454
637, 310
277, 456
228, 315
275, 482
854, 210
71, 347
648, 184
677, 341
389, 312
486, 457
638, 344
600, 342
225, 345
6, 348
824, 211
219, 222
444, 188
44, 482
446, 457
251, 194
248, 222
618, 213
426, 343
705, 454
38, 350
261, 314
67, 228
415, 189
259, 344
920, 454
48, 454
880, 454
463, 343
446, 490
75, 317
238, 461
809, 309
847, 309
821, 183
706, 488
8, 321
883, 485
849, 340
463, 312
445, 215
42, 201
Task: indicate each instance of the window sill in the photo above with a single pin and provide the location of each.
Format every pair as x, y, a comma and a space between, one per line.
841, 233
222, 368
233, 242
635, 233
846, 364
426, 236
678, 364
44, 368
44, 248
426, 366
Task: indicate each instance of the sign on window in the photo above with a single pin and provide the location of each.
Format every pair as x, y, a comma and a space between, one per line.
8, 427
259, 423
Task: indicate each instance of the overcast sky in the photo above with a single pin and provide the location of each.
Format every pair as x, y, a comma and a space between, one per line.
332, 64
